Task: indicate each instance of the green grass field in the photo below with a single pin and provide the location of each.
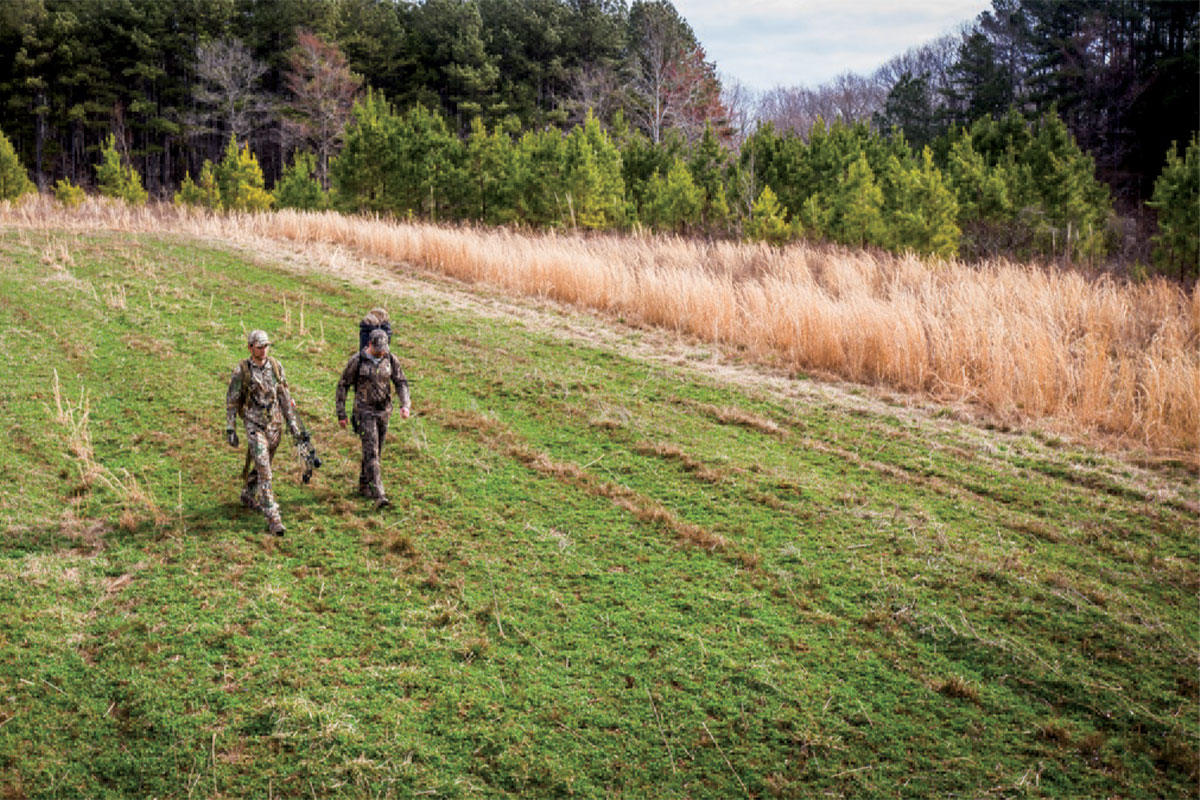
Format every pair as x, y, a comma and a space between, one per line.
604, 575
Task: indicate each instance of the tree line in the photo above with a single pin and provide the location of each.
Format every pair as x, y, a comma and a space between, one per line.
601, 115
173, 80
1121, 74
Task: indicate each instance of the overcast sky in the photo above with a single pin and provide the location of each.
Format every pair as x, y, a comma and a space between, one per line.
769, 43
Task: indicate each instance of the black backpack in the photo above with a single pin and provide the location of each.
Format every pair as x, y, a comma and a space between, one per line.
365, 328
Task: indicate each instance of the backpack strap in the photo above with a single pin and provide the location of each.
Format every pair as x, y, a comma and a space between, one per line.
245, 367
276, 370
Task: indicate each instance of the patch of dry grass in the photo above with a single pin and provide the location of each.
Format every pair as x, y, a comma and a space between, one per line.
1029, 345
135, 501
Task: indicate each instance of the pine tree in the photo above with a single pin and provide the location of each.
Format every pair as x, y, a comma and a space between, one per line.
924, 214
641, 159
909, 110
673, 201
1177, 201
14, 181
240, 180
979, 83
1076, 204
858, 207
204, 194
707, 166
538, 178
428, 160
364, 175
594, 189
489, 182
210, 193
768, 220
115, 179
981, 191
817, 217
68, 193
298, 187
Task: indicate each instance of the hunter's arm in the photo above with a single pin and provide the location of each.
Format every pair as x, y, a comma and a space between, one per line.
233, 397
286, 404
344, 383
401, 384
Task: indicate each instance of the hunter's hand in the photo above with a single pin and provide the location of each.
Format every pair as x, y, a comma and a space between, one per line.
404, 413
342, 422
231, 437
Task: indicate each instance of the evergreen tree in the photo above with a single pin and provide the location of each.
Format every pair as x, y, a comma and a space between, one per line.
594, 188
980, 85
1177, 201
68, 193
768, 220
673, 201
857, 206
365, 175
204, 194
816, 217
707, 165
924, 211
240, 180
981, 191
1027, 188
298, 187
489, 189
14, 181
427, 162
909, 109
642, 159
538, 178
115, 179
454, 70
1075, 203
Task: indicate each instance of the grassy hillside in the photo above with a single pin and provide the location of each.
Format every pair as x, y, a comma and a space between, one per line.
603, 575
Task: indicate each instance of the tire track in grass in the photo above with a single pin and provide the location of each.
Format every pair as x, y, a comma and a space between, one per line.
645, 509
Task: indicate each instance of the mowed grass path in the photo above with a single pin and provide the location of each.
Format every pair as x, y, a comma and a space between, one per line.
602, 577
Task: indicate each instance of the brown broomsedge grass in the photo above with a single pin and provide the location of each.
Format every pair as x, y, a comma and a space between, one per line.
1029, 345
135, 502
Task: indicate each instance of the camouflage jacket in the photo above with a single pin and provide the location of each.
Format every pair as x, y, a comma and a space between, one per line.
372, 381
259, 395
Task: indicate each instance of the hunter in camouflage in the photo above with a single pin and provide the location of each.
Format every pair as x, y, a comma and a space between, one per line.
372, 372
258, 393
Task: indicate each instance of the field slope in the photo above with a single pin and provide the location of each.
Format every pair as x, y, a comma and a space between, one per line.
610, 570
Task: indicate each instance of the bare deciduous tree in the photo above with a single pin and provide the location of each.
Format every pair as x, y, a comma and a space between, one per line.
323, 90
593, 87
672, 85
227, 90
933, 60
659, 44
739, 101
848, 97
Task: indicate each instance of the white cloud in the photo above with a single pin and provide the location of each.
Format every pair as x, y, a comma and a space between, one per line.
767, 43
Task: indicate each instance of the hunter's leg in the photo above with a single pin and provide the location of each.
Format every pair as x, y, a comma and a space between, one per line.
261, 450
381, 425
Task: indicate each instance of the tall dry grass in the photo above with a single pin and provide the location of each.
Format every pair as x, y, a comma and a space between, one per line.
134, 501
1029, 345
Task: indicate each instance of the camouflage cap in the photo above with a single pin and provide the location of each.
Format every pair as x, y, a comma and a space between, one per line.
379, 339
257, 339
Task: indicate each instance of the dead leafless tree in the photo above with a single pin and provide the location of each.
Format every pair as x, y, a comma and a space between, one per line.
227, 90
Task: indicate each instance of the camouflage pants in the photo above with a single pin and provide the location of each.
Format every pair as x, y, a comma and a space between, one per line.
372, 428
261, 444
